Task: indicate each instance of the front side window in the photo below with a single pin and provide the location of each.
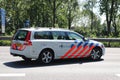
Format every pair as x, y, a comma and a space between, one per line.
74, 36
42, 35
21, 35
59, 35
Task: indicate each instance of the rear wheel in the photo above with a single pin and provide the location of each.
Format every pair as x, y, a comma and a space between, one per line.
46, 56
96, 54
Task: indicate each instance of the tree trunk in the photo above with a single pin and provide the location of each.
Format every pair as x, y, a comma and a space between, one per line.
69, 15
91, 21
54, 12
43, 18
92, 17
69, 20
109, 16
114, 25
109, 27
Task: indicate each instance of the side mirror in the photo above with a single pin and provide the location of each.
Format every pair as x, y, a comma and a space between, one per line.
76, 41
85, 39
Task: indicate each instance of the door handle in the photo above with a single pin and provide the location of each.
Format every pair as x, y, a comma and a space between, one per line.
61, 45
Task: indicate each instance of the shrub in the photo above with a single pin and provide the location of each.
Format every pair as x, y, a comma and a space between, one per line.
5, 42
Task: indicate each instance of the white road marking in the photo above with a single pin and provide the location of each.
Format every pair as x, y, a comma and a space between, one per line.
12, 74
118, 75
113, 54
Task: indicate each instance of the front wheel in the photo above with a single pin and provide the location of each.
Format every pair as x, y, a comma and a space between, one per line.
96, 54
46, 56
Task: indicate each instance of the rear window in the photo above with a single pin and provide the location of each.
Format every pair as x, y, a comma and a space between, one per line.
21, 35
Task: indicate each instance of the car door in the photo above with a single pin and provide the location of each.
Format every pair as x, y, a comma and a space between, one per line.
65, 43
75, 43
79, 46
61, 44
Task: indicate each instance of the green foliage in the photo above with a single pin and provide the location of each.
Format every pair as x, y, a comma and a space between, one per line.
63, 14
96, 33
110, 9
111, 44
42, 13
85, 31
107, 44
5, 42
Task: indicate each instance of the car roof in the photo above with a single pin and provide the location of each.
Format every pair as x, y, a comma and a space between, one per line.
47, 29
44, 29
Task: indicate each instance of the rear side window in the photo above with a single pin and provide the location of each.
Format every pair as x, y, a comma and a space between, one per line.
42, 35
21, 35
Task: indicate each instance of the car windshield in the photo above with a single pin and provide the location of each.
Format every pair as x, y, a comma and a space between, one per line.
20, 35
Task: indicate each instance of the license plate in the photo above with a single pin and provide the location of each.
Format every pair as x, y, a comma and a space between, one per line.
18, 44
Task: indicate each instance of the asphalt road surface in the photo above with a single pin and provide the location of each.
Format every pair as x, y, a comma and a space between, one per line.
14, 68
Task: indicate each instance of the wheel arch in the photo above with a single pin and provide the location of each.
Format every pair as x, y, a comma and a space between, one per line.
49, 50
98, 47
95, 55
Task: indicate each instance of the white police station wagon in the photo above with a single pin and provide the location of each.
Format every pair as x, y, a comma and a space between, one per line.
47, 44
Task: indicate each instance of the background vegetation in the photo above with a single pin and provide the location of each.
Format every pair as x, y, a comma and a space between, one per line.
79, 14
83, 16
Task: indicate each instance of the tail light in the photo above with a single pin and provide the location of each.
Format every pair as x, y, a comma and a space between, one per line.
21, 46
27, 40
13, 46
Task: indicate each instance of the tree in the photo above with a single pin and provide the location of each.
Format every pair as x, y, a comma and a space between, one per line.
110, 8
115, 16
54, 5
89, 9
72, 8
42, 13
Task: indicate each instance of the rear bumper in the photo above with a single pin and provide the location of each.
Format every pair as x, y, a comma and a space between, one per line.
13, 54
24, 53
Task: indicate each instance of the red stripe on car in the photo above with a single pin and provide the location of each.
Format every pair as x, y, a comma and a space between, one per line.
68, 52
75, 52
81, 52
87, 52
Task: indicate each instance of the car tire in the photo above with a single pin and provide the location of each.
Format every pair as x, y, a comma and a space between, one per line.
46, 56
96, 54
